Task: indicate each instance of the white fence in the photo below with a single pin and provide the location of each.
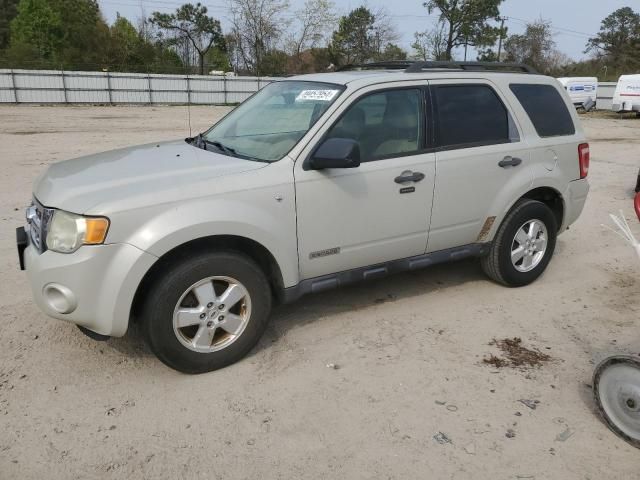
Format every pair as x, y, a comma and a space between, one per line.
55, 86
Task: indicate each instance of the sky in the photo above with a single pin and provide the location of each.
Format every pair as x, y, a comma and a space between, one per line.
574, 21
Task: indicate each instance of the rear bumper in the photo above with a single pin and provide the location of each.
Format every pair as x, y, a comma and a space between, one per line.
95, 285
575, 197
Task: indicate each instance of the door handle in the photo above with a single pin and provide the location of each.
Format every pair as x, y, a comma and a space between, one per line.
509, 162
410, 176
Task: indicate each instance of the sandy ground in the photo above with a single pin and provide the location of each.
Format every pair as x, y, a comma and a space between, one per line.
409, 349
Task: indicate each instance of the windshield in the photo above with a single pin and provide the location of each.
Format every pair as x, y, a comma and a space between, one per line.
268, 125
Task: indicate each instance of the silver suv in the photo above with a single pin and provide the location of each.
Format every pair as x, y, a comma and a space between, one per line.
313, 183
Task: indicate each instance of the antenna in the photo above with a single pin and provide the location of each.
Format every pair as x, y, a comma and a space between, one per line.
189, 117
189, 104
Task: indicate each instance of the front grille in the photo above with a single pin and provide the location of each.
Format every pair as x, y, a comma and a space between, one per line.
38, 220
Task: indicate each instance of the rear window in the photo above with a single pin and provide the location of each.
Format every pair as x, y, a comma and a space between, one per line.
470, 115
546, 109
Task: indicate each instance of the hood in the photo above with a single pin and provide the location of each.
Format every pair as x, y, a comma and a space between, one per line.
151, 170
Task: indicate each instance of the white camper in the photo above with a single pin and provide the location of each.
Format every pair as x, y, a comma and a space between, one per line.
581, 90
627, 95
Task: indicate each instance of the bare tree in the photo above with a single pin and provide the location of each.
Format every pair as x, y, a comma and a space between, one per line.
384, 32
257, 29
430, 44
313, 27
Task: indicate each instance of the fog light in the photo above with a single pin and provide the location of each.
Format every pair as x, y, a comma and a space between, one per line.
59, 298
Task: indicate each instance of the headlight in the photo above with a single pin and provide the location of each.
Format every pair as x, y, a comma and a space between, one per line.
68, 232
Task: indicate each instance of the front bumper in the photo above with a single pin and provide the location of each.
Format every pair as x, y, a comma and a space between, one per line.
96, 283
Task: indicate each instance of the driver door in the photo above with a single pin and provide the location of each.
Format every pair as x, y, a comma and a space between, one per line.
379, 211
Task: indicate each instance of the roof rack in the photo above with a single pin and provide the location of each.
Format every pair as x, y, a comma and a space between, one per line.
418, 66
482, 66
389, 65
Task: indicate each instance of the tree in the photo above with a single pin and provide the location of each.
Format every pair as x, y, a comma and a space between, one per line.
60, 33
391, 52
37, 28
353, 41
535, 47
8, 11
125, 42
618, 38
385, 35
218, 60
466, 22
257, 30
315, 20
363, 36
85, 33
430, 44
191, 24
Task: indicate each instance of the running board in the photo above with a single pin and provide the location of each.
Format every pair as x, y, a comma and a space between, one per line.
336, 280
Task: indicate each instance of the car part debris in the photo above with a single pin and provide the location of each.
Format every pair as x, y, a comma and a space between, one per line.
442, 438
532, 404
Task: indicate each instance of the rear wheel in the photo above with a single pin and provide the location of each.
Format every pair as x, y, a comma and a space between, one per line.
207, 311
523, 245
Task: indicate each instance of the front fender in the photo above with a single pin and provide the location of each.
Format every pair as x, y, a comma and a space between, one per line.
254, 214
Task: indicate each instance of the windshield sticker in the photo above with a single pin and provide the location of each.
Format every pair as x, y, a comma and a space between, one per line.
316, 95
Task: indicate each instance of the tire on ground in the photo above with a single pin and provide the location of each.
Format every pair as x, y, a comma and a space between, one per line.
166, 290
497, 264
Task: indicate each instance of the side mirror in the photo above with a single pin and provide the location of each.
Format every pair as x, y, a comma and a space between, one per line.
336, 153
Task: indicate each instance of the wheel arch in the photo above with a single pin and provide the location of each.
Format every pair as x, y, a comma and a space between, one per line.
249, 247
552, 198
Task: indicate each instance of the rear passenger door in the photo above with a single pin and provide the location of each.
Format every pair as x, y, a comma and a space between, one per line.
481, 161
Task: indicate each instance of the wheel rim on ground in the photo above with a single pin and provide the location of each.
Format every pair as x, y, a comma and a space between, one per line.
212, 314
529, 245
618, 393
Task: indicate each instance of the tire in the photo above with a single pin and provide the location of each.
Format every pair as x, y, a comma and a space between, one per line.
498, 264
615, 391
193, 290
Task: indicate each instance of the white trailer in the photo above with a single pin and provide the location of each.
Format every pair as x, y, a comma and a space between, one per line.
581, 90
627, 95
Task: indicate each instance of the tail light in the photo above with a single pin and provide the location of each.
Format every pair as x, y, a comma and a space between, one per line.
636, 204
583, 158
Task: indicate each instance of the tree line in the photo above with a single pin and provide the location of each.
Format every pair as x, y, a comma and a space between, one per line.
267, 37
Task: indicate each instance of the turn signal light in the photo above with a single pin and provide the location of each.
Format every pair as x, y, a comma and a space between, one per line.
96, 230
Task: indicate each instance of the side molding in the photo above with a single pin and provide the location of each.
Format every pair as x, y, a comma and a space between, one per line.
336, 280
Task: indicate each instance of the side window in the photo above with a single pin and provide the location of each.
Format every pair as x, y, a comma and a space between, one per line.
546, 109
472, 115
385, 124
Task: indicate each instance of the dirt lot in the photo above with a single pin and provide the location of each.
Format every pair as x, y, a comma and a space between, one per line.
412, 397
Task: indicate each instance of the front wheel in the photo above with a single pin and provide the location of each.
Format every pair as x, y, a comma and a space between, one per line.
523, 245
207, 311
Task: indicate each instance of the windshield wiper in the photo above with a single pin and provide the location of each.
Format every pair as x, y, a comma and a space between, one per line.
221, 147
200, 141
231, 151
